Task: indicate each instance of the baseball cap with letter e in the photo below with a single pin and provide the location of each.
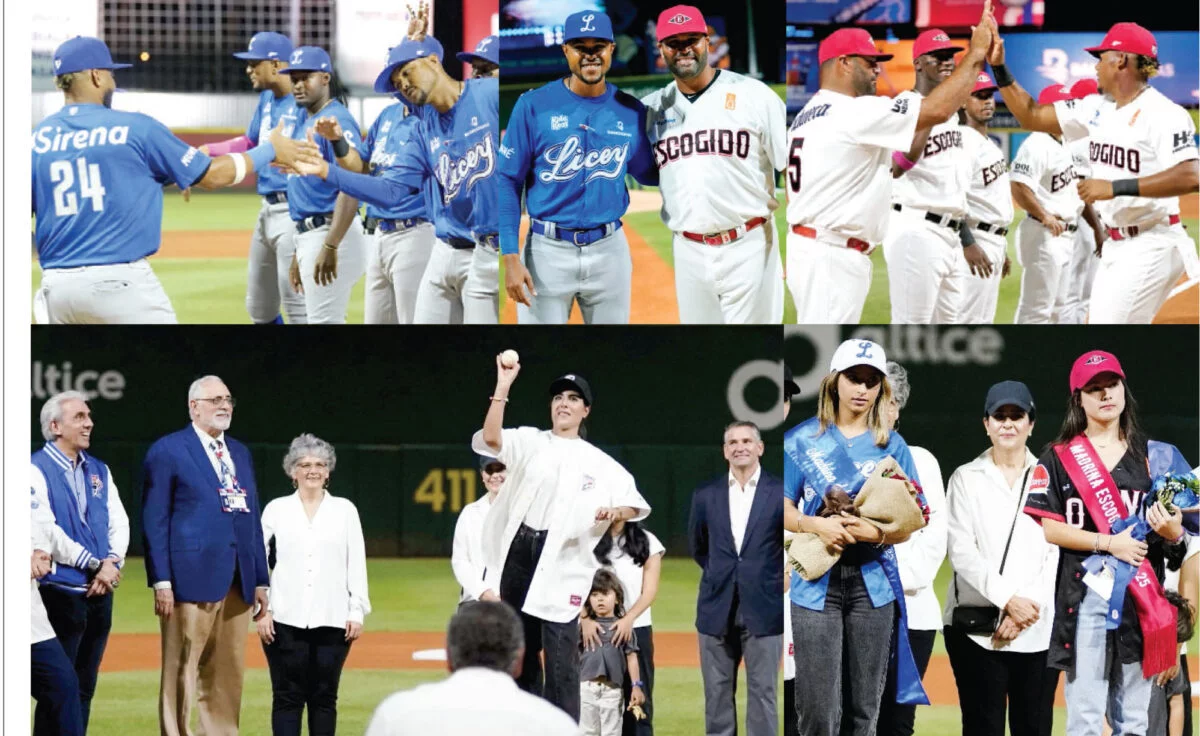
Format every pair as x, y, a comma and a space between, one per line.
572, 381
267, 46
855, 351
1084, 87
849, 42
83, 52
1091, 364
680, 19
983, 83
1129, 38
1008, 393
488, 49
587, 24
1054, 93
402, 53
935, 39
309, 59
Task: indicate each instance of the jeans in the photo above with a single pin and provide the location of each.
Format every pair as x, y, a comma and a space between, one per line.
305, 666
896, 719
645, 657
1100, 679
81, 624
56, 688
991, 683
841, 658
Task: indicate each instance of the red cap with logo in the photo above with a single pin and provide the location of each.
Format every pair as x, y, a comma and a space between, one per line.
983, 83
1054, 93
1091, 364
1084, 87
935, 39
1129, 38
681, 19
849, 42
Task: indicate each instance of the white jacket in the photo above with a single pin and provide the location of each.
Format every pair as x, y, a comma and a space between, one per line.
921, 556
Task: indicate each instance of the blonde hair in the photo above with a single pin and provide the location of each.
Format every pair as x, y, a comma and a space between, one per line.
1147, 66
827, 406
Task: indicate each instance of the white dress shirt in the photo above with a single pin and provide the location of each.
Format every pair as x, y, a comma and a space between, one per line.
118, 520
981, 506
921, 556
741, 498
630, 574
320, 575
470, 702
466, 559
206, 440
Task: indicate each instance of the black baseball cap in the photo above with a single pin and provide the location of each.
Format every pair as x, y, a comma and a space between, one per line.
1008, 393
572, 381
790, 387
485, 462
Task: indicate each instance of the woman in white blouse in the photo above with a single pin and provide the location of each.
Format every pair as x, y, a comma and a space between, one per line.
1006, 670
318, 591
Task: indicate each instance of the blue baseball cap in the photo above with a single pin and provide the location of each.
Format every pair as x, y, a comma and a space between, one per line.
587, 24
309, 59
399, 55
488, 49
267, 46
83, 52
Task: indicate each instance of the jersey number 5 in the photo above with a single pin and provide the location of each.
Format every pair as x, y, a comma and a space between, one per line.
66, 202
794, 164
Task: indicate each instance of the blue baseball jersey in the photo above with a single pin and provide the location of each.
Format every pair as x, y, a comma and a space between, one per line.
570, 154
267, 114
391, 132
311, 195
98, 177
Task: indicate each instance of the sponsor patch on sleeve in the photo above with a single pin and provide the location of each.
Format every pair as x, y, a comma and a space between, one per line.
1040, 480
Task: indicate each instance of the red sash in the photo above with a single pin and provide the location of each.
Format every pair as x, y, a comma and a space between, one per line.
1105, 506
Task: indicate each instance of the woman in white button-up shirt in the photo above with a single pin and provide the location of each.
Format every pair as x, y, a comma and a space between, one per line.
318, 591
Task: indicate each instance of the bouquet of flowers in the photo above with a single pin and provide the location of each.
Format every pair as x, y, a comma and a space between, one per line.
1177, 491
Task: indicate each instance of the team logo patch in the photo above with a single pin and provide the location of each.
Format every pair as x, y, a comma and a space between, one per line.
296, 56
559, 122
679, 19
57, 64
1041, 480
588, 483
96, 485
791, 648
809, 493
1095, 360
482, 45
576, 600
730, 101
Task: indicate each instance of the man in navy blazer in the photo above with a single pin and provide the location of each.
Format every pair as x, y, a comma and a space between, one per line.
206, 561
735, 534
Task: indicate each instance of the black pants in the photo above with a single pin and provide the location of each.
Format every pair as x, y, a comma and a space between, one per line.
896, 719
81, 625
790, 726
989, 683
558, 682
306, 666
631, 726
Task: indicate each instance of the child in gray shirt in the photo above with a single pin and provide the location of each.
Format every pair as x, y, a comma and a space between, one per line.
602, 671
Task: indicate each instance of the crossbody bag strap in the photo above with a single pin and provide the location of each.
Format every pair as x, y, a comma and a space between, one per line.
1020, 505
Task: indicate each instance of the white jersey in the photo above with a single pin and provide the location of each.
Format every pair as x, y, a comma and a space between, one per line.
717, 156
1045, 166
840, 176
990, 197
630, 574
1147, 136
940, 179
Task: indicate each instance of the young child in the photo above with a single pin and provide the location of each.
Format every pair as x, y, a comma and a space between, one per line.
603, 670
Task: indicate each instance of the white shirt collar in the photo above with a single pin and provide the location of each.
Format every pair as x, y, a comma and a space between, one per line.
205, 437
752, 483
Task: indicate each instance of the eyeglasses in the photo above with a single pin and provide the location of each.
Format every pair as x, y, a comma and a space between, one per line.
219, 400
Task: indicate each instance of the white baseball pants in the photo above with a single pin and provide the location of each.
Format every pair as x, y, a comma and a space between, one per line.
598, 276
460, 285
326, 305
1136, 276
1046, 280
481, 292
736, 283
980, 295
828, 281
926, 270
1084, 263
272, 245
600, 710
115, 294
395, 262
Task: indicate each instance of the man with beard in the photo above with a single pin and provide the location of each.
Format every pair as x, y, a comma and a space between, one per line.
567, 148
838, 177
719, 137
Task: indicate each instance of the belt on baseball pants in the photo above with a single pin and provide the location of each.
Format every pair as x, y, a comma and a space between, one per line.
578, 237
727, 236
1123, 233
314, 222
489, 240
861, 246
276, 197
460, 243
936, 219
371, 224
1069, 227
988, 227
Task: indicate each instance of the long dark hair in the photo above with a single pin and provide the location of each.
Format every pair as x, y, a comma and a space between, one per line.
337, 90
603, 581
1075, 422
633, 542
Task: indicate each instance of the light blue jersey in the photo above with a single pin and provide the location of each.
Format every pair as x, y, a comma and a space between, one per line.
267, 114
311, 195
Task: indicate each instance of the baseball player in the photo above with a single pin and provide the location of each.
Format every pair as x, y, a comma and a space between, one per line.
718, 137
568, 147
1143, 155
98, 175
839, 171
484, 60
929, 248
989, 202
1089, 241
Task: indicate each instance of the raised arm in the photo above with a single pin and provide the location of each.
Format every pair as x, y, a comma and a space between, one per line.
493, 422
1031, 115
951, 94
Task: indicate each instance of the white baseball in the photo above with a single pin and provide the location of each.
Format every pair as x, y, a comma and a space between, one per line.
509, 358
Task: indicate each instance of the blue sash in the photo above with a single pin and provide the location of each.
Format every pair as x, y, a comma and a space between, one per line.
826, 463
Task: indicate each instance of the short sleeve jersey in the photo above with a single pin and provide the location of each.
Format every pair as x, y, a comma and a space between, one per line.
1047, 168
312, 195
990, 198
942, 175
267, 114
391, 132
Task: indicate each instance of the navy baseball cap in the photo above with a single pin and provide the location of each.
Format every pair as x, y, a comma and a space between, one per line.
267, 46
587, 24
1008, 393
790, 387
488, 49
83, 52
399, 55
572, 381
309, 59
485, 462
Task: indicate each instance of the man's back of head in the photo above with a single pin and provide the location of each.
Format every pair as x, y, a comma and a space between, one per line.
486, 634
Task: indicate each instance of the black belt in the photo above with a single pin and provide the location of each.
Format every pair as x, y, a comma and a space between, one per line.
314, 222
943, 220
391, 226
528, 532
988, 227
460, 243
276, 197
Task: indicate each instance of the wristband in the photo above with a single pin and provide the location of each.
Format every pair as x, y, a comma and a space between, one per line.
498, 398
239, 167
260, 155
1002, 76
341, 148
902, 161
638, 683
1126, 188
965, 236
1182, 536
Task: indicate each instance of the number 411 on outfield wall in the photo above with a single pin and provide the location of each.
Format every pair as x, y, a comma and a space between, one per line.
432, 490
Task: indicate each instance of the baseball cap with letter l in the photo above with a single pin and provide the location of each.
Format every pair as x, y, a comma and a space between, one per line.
83, 52
402, 53
1091, 364
1129, 38
1084, 87
587, 24
309, 59
983, 83
572, 381
680, 19
1008, 393
854, 352
849, 42
488, 49
267, 46
1054, 93
933, 40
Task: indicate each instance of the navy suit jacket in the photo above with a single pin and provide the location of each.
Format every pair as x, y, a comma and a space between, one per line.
756, 575
189, 540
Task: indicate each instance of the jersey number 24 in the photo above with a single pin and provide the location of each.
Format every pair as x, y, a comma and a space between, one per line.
794, 164
66, 201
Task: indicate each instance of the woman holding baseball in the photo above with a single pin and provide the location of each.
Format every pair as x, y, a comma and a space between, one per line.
318, 591
845, 624
1114, 630
539, 538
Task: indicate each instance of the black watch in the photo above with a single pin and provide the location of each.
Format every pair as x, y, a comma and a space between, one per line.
93, 566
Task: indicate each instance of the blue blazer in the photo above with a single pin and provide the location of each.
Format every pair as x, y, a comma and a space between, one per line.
189, 540
756, 575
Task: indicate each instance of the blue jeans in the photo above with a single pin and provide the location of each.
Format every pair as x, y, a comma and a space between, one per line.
1101, 680
81, 624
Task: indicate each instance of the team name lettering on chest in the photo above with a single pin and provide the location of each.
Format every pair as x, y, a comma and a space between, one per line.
1061, 179
711, 142
994, 171
1116, 156
45, 141
457, 173
942, 142
569, 159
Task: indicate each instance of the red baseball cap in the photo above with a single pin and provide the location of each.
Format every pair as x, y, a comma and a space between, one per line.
681, 19
1054, 93
935, 39
1091, 364
1128, 37
983, 82
849, 42
1084, 87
